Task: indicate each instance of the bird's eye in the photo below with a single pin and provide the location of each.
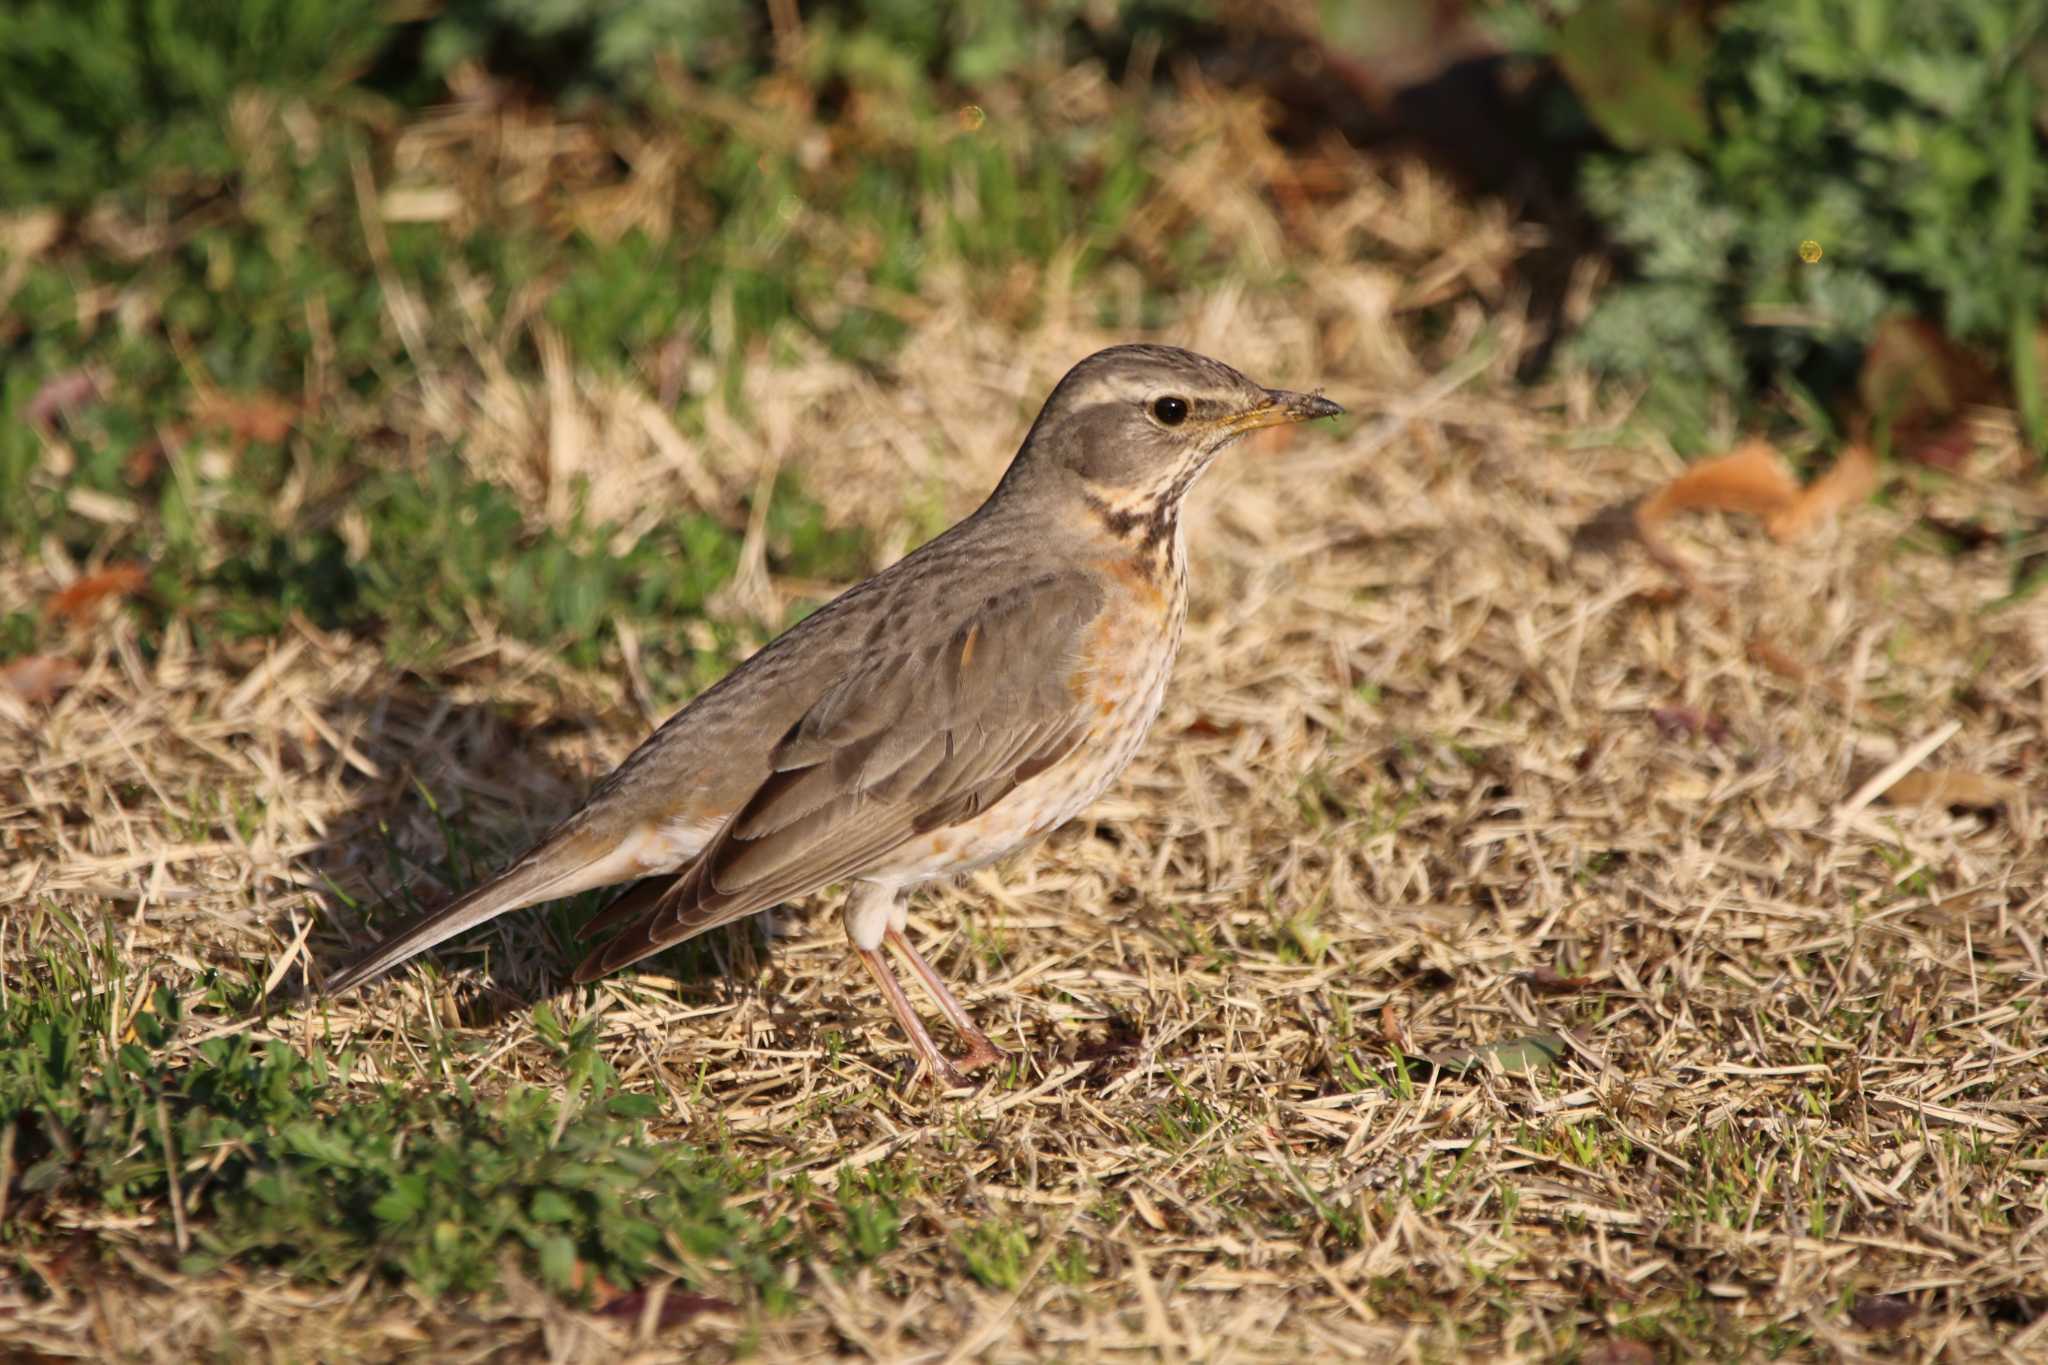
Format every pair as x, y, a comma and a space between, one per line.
1170, 411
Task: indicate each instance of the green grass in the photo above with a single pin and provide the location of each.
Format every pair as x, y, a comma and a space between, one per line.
259, 1154
250, 272
229, 257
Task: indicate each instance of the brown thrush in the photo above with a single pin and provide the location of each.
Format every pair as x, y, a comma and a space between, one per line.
954, 707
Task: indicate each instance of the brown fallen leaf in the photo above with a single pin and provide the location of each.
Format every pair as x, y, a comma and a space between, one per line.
1619, 1351
1752, 478
1762, 651
1944, 447
147, 455
602, 1291
1850, 479
63, 393
1394, 1028
37, 678
1793, 669
1548, 978
264, 417
76, 602
1881, 1313
1916, 380
677, 1307
1950, 787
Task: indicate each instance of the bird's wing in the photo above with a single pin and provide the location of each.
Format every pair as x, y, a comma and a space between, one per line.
909, 741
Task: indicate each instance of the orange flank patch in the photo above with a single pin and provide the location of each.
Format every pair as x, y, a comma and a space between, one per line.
967, 649
1137, 579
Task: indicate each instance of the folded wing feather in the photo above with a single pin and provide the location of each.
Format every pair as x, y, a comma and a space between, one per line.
908, 742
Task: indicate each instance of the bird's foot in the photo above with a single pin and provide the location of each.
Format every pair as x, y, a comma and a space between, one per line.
948, 1076
980, 1052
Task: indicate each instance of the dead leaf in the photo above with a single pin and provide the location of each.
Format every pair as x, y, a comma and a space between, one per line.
37, 678
61, 394
263, 417
1944, 447
677, 1307
1788, 666
1917, 379
1619, 1351
1688, 722
147, 456
1751, 478
1394, 1029
602, 1291
1913, 370
1516, 1056
76, 602
1881, 1313
1951, 787
1850, 479
1777, 660
1548, 978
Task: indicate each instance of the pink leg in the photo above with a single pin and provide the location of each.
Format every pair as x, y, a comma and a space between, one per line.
944, 1071
980, 1051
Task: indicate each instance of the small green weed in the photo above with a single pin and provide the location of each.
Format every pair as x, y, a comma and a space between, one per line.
871, 1216
1901, 139
995, 1252
271, 1156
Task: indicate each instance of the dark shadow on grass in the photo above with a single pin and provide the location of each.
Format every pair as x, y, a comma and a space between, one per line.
460, 790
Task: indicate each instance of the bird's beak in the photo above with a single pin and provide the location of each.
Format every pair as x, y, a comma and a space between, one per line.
1281, 407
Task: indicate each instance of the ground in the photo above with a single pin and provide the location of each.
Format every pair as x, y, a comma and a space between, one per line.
1494, 952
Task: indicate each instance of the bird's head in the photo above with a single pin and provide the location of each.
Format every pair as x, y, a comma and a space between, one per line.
1135, 426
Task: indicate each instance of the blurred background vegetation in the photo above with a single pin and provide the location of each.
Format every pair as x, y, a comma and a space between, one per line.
1822, 214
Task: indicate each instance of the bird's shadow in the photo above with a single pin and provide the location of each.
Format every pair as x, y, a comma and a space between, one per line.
439, 796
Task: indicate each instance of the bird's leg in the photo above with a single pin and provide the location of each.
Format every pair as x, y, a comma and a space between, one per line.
980, 1051
871, 913
920, 1039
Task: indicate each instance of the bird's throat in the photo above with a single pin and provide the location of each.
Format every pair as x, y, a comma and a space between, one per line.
1145, 530
1143, 520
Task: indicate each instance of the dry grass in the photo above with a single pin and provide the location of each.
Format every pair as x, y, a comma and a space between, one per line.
1432, 775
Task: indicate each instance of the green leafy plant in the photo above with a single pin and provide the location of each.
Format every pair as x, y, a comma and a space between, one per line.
270, 282
1821, 165
96, 94
995, 1252
271, 1156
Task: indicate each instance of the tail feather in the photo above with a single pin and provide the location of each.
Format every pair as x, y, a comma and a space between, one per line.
520, 885
635, 901
650, 923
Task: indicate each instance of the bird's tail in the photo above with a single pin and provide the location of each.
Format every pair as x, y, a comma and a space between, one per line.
527, 881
